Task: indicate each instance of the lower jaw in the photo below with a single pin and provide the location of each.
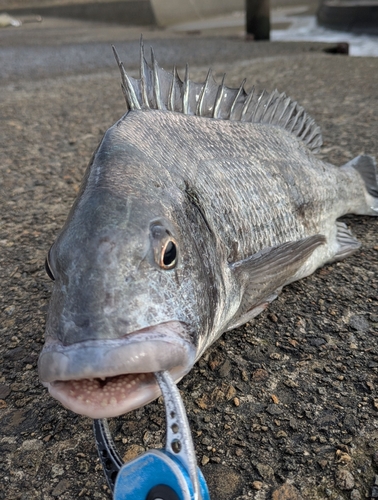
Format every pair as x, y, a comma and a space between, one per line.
109, 397
109, 377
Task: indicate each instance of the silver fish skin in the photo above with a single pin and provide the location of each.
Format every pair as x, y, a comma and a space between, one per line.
196, 209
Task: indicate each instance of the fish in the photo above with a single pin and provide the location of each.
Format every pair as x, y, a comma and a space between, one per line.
198, 206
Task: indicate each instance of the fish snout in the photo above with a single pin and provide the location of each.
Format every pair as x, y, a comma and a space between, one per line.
105, 378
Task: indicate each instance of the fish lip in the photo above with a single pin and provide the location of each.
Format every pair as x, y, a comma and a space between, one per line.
162, 347
138, 396
69, 371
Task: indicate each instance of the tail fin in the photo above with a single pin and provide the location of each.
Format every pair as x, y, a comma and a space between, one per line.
367, 168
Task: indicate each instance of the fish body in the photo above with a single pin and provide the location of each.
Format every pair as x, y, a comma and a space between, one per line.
198, 206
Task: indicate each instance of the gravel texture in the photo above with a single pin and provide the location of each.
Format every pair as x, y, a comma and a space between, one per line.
285, 407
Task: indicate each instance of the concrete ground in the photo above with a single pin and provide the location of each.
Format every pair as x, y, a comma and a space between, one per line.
285, 407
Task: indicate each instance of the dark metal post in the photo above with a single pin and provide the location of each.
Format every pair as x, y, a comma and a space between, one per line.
258, 19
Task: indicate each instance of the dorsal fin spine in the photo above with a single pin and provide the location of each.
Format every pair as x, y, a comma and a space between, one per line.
118, 61
202, 95
247, 103
159, 89
129, 88
233, 105
185, 95
306, 130
218, 99
292, 108
143, 75
257, 106
278, 100
268, 103
298, 115
315, 132
286, 105
172, 92
156, 85
302, 125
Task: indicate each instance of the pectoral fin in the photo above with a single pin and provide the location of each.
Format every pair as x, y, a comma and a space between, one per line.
262, 275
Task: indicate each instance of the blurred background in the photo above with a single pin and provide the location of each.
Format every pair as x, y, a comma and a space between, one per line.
352, 22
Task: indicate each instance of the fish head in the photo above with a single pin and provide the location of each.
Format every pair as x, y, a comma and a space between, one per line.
127, 299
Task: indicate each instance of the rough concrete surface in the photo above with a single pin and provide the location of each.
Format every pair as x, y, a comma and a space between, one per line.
285, 407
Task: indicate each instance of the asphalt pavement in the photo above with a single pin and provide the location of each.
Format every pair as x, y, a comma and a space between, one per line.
285, 407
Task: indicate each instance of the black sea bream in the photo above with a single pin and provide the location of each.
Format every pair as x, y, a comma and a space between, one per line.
198, 206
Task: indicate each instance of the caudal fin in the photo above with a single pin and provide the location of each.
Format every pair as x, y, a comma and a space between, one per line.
367, 168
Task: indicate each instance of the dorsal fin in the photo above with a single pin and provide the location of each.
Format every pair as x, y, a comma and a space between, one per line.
159, 89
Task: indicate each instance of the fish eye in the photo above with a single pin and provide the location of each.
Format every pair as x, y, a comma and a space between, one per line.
48, 268
164, 247
168, 255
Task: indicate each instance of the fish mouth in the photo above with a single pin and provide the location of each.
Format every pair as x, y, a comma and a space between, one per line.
107, 378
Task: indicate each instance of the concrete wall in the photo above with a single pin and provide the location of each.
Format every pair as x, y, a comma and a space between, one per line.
129, 12
168, 12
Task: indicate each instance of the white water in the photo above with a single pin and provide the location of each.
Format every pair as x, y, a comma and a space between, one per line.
305, 28
301, 27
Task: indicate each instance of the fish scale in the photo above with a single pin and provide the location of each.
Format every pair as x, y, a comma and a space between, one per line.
238, 187
200, 204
